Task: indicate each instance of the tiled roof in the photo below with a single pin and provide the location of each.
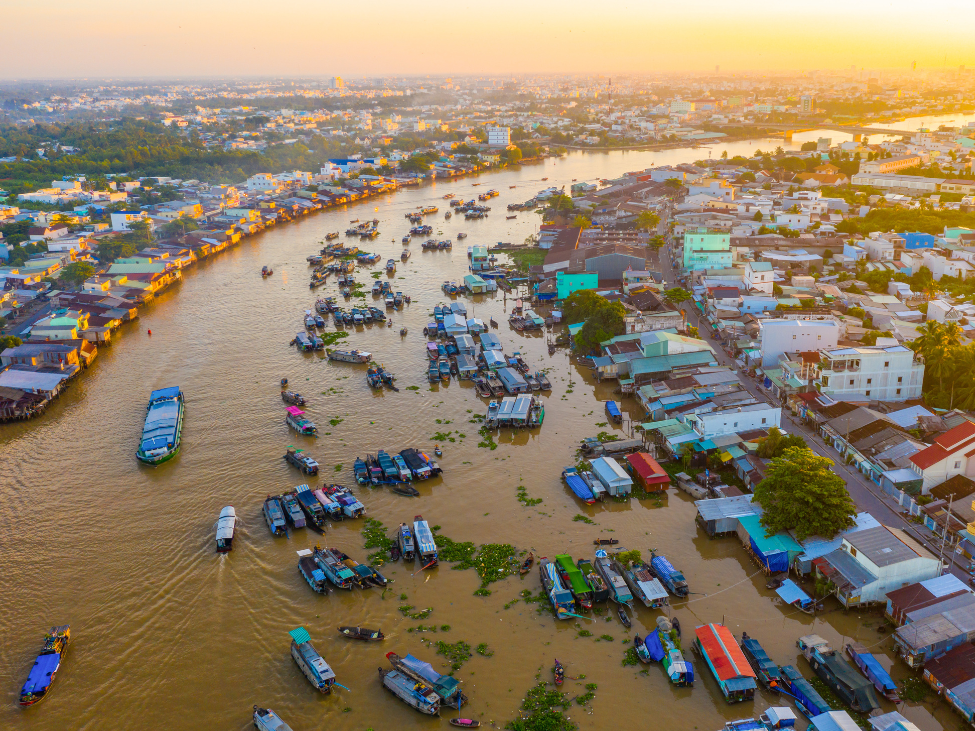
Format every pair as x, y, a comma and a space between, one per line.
948, 443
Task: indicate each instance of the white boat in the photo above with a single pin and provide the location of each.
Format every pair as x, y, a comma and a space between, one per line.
267, 720
426, 547
413, 693
349, 356
226, 525
313, 665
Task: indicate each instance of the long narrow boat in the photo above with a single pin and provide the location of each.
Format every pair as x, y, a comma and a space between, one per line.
332, 508
313, 509
679, 669
642, 584
426, 547
292, 510
406, 545
163, 427
361, 573
573, 579
297, 421
46, 666
274, 515
351, 507
803, 692
361, 633
600, 592
668, 575
561, 598
618, 591
312, 665
267, 720
852, 688
349, 356
578, 486
415, 694
226, 524
311, 572
334, 570
445, 686
766, 670
869, 665
720, 650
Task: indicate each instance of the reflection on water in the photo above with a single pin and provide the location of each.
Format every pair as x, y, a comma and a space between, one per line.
166, 634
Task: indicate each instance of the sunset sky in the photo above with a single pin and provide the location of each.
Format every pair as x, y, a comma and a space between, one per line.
375, 37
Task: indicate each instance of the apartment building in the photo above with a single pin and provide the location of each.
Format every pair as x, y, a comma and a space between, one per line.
781, 336
891, 164
499, 136
884, 372
704, 249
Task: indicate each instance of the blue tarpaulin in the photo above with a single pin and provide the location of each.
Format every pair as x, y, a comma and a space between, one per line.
654, 646
792, 594
777, 561
613, 410
579, 487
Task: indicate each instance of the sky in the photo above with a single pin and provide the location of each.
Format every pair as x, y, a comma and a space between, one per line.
166, 38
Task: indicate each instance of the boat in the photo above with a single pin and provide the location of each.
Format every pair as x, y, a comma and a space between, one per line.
312, 665
335, 571
852, 688
643, 585
46, 665
266, 271
163, 426
618, 590
274, 515
309, 320
404, 536
391, 266
267, 720
533, 384
600, 592
443, 366
349, 356
461, 235
605, 542
543, 383
871, 667
438, 451
292, 510
226, 524
624, 617
559, 672
313, 508
405, 254
720, 650
405, 489
527, 564
332, 236
375, 471
373, 378
331, 508
293, 398
377, 578
679, 669
445, 686
389, 467
613, 412
311, 572
807, 698
668, 575
361, 633
574, 581
767, 672
295, 419
465, 722
404, 472
361, 471
642, 653
481, 384
300, 459
426, 547
361, 573
510, 217
413, 693
420, 465
560, 597
350, 506
578, 486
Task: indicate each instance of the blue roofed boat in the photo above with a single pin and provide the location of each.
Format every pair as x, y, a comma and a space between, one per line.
808, 699
869, 665
445, 686
163, 426
274, 515
774, 718
654, 646
792, 595
311, 572
679, 669
578, 486
426, 547
668, 575
613, 412
767, 671
313, 665
45, 668
335, 571
560, 597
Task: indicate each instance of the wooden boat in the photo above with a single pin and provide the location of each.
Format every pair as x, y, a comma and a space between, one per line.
351, 507
226, 524
311, 572
668, 575
543, 383
274, 515
317, 511
292, 397
266, 271
465, 722
618, 591
720, 650
560, 597
394, 553
574, 581
361, 633
46, 666
867, 663
404, 537
361, 471
605, 542
527, 564
295, 419
332, 236
600, 592
377, 578
412, 692
426, 547
559, 672
349, 356
312, 665
533, 384
361, 573
853, 688
267, 720
643, 585
446, 687
292, 510
335, 571
163, 426
510, 217
624, 617
641, 650
304, 462
767, 672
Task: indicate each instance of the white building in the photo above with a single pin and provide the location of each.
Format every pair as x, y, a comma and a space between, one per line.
759, 275
946, 457
263, 182
783, 336
681, 106
499, 136
913, 183
884, 372
713, 187
337, 83
794, 221
122, 219
734, 419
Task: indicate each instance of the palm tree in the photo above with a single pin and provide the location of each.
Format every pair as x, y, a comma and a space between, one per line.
963, 379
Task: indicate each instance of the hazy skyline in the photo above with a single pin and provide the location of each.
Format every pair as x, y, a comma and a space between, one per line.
223, 38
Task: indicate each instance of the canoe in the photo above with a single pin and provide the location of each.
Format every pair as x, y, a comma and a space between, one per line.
361, 633
465, 722
559, 672
526, 565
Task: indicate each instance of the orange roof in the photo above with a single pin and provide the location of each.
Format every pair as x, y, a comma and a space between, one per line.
953, 440
647, 468
723, 652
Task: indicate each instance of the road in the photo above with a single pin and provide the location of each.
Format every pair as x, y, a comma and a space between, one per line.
22, 327
868, 496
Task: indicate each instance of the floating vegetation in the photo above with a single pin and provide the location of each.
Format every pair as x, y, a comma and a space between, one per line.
423, 628
477, 418
492, 561
488, 441
624, 557
407, 611
442, 437
375, 534
412, 388
605, 638
336, 421
915, 689
482, 591
443, 421
524, 499
445, 628
630, 658
584, 633
578, 518
588, 695
483, 649
543, 709
602, 423
604, 437
330, 338
457, 653
338, 467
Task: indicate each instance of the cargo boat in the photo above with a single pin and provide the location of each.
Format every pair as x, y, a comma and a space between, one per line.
670, 577
445, 686
312, 665
267, 720
349, 356
766, 670
720, 650
163, 427
573, 579
226, 524
426, 548
852, 688
618, 590
405, 539
871, 667
642, 584
311, 572
335, 571
561, 598
274, 515
312, 507
297, 421
45, 668
418, 695
600, 592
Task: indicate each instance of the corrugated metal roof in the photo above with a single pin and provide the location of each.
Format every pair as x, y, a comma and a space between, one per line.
855, 574
928, 631
727, 507
954, 668
723, 651
817, 546
771, 544
944, 585
881, 546
959, 601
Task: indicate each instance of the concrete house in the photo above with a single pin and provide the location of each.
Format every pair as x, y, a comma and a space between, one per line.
759, 276
946, 457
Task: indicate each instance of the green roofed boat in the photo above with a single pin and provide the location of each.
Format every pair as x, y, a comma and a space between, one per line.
163, 427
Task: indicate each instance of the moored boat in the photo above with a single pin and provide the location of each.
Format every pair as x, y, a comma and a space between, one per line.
768, 672
335, 571
426, 548
413, 693
558, 595
351, 507
445, 686
292, 510
292, 397
360, 573
527, 564
311, 572
465, 722
300, 459
404, 537
349, 356
642, 653
642, 584
295, 419
312, 665
600, 592
274, 515
869, 665
267, 720
543, 383
574, 581
670, 577
361, 471
46, 666
313, 508
226, 524
852, 688
163, 426
618, 591
361, 633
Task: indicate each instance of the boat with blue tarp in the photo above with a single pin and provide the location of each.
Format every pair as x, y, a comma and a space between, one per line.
46, 666
313, 509
418, 695
642, 584
426, 547
274, 515
807, 698
163, 427
560, 597
792, 595
361, 471
679, 669
768, 672
578, 486
332, 508
311, 572
670, 577
351, 507
613, 412
404, 536
445, 686
870, 666
773, 719
654, 646
312, 665
852, 688
388, 466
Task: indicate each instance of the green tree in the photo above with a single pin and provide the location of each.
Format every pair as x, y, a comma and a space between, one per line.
676, 295
656, 242
114, 248
560, 202
647, 220
582, 222
512, 156
76, 272
936, 343
758, 216
801, 492
179, 226
9, 341
673, 183
776, 443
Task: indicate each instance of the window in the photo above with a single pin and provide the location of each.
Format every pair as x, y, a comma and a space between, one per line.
868, 393
886, 364
819, 337
898, 392
763, 419
869, 381
900, 379
957, 464
793, 337
853, 551
851, 381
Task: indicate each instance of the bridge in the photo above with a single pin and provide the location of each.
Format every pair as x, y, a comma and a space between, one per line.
858, 132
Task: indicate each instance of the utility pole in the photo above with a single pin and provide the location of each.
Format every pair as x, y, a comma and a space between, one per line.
944, 536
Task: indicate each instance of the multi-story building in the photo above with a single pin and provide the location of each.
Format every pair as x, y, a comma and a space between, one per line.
807, 104
781, 336
759, 276
882, 372
499, 136
704, 249
891, 164
735, 419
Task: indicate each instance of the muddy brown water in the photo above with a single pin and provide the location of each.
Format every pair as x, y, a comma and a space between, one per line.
166, 634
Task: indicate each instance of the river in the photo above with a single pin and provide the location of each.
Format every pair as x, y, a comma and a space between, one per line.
167, 634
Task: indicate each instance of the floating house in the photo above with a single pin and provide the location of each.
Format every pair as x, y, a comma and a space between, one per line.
833, 721
648, 473
613, 477
490, 341
722, 654
953, 676
513, 381
774, 553
806, 696
720, 516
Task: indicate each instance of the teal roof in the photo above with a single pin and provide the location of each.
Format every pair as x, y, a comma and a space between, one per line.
664, 363
300, 635
649, 425
779, 542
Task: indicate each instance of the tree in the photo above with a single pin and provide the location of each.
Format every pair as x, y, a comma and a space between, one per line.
513, 156
647, 220
9, 341
656, 242
560, 202
179, 226
758, 216
606, 322
582, 222
673, 183
776, 443
76, 272
808, 147
676, 295
114, 248
693, 332
141, 232
802, 493
936, 344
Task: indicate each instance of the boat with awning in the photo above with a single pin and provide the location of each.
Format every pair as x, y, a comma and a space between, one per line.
163, 426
